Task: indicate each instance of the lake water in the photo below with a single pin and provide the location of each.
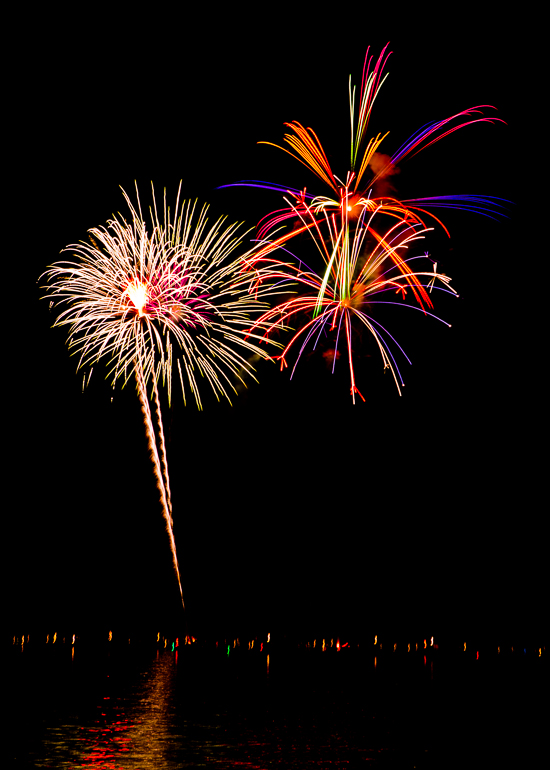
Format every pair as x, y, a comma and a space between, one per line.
285, 706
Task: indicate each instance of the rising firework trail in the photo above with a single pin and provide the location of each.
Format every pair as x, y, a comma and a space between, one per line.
148, 298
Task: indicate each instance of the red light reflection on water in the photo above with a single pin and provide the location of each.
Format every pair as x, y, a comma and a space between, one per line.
101, 746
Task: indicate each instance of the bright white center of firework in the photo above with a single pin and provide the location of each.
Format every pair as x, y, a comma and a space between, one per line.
137, 291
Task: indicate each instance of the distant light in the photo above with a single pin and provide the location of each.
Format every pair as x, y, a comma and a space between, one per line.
74, 637
432, 642
110, 636
375, 641
464, 646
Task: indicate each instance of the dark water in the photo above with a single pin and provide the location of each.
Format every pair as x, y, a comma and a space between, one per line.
139, 707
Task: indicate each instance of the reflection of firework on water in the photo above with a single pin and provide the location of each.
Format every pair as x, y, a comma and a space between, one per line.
146, 300
363, 237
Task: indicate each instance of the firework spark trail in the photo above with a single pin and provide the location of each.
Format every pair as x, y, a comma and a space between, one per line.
162, 444
158, 471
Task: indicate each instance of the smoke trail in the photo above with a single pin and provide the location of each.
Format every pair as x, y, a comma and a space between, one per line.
158, 470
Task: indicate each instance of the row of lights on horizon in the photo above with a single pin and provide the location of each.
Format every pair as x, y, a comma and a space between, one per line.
165, 643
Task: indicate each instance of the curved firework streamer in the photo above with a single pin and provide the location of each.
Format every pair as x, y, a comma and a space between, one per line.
142, 297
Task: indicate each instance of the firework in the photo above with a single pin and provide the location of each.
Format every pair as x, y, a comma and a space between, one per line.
352, 283
367, 169
149, 300
364, 239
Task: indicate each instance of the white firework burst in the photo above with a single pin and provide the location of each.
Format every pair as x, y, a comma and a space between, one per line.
152, 297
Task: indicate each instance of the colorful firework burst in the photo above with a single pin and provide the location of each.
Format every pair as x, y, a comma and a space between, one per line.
364, 239
353, 281
367, 167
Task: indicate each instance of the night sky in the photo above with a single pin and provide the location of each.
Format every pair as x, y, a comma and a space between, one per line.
293, 509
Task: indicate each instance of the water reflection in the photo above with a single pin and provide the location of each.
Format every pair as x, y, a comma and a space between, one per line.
225, 709
133, 729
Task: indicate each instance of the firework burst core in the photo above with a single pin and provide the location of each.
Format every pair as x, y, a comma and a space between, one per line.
138, 294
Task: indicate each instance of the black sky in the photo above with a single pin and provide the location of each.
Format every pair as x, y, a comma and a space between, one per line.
294, 507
